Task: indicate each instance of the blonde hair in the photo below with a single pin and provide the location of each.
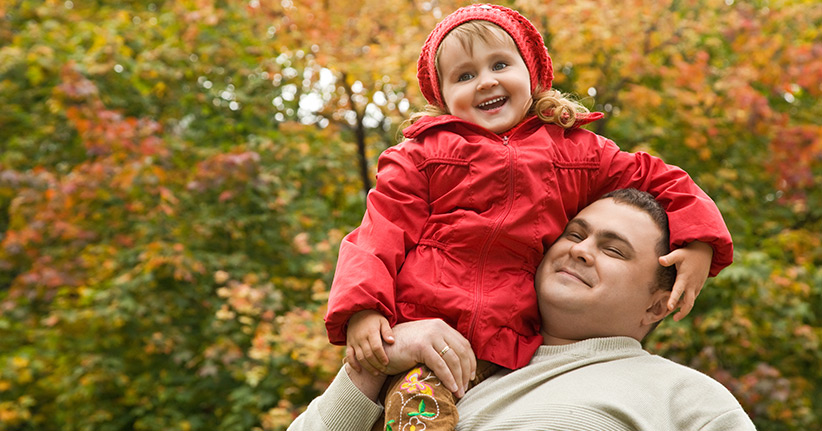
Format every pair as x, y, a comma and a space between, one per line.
551, 106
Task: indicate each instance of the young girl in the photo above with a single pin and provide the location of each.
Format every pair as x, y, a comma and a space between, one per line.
464, 208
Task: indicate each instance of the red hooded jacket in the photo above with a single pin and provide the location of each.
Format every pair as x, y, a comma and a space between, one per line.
460, 219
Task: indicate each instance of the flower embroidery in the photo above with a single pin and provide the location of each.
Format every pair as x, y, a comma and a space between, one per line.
421, 411
413, 383
414, 425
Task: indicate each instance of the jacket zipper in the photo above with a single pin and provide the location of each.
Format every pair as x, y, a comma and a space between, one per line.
478, 292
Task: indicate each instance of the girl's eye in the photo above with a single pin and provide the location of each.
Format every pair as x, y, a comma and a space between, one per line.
500, 66
465, 77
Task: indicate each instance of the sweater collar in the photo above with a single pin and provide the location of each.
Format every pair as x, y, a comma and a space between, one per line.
592, 345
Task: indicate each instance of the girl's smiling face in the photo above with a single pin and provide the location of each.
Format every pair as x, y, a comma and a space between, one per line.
485, 81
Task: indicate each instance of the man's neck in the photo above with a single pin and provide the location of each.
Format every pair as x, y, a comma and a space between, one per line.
549, 339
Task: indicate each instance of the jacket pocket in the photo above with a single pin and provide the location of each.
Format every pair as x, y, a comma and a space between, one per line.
449, 181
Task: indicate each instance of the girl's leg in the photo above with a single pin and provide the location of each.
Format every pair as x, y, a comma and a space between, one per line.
419, 399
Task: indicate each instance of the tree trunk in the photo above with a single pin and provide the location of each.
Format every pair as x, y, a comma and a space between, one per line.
359, 134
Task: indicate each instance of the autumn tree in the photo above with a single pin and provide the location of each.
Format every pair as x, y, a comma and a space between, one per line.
368, 51
169, 225
175, 178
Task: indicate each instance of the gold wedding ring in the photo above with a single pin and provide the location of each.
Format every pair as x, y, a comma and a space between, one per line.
445, 349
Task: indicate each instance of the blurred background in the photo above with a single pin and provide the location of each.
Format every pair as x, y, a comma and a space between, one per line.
176, 177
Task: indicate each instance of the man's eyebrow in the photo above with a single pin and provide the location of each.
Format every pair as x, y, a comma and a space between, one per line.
604, 234
609, 234
578, 221
615, 236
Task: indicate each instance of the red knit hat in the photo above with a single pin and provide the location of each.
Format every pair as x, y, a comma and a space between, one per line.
525, 35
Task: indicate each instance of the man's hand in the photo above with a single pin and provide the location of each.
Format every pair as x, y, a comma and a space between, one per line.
693, 262
421, 342
364, 341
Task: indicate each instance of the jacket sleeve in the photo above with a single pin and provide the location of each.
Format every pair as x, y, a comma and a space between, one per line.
371, 255
692, 214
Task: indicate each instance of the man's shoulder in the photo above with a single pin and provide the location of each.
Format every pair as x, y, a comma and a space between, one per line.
685, 378
691, 395
663, 362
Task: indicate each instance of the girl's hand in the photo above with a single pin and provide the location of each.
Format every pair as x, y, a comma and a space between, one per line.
693, 262
366, 332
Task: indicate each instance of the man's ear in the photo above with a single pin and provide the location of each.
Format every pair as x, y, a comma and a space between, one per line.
658, 308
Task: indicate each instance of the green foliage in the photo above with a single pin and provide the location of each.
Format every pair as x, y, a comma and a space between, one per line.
170, 211
161, 231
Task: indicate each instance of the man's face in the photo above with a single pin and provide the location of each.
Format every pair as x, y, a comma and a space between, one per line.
596, 279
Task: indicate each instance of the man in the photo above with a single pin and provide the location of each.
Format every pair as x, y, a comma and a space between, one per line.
601, 290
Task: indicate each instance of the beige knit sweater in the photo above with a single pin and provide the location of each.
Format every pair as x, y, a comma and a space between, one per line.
598, 384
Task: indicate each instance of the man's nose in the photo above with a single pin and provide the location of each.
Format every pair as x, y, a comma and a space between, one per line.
582, 252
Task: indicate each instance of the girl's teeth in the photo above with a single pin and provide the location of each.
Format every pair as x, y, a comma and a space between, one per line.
491, 102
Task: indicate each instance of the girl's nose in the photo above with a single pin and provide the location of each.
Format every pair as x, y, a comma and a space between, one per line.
486, 82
